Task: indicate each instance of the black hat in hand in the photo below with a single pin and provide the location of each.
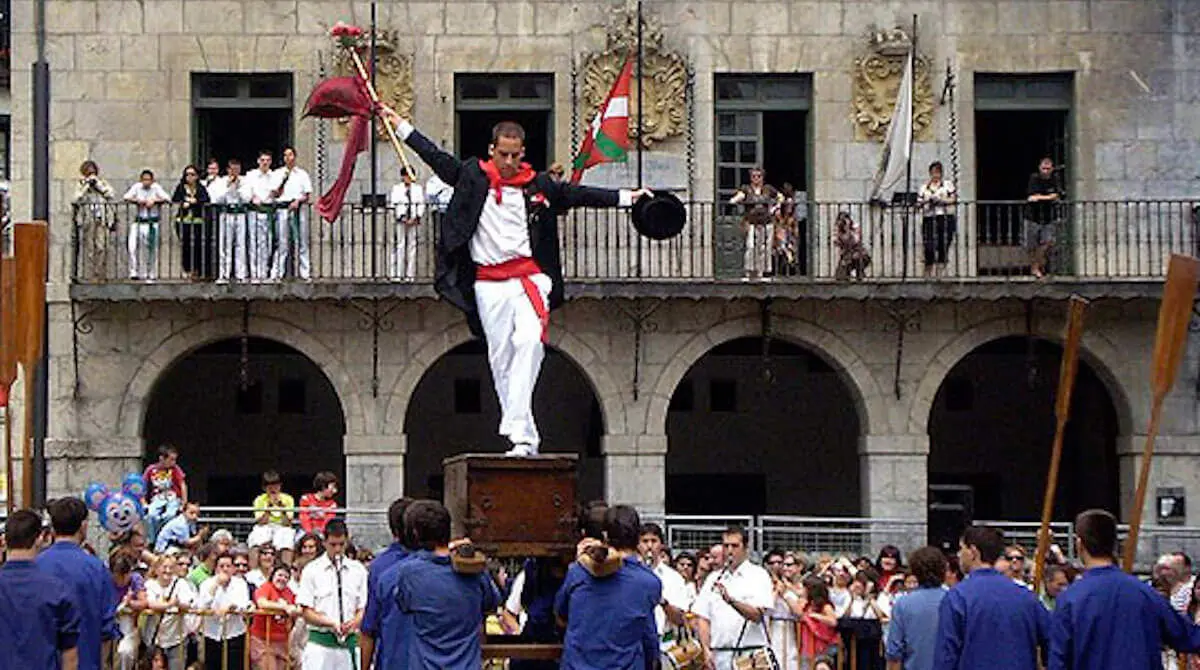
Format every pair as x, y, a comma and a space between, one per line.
659, 216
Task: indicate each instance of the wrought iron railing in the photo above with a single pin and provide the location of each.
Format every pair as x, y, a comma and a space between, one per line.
978, 241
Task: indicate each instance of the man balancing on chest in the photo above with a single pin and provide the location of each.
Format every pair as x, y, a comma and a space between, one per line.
498, 259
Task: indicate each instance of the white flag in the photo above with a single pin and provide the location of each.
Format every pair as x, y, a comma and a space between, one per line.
893, 164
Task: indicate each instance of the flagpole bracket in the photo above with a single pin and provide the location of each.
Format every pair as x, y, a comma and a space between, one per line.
377, 321
638, 312
902, 320
81, 324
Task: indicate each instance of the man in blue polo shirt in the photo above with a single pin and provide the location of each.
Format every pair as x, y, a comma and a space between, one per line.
610, 619
1108, 619
988, 622
85, 576
39, 625
912, 636
445, 609
383, 626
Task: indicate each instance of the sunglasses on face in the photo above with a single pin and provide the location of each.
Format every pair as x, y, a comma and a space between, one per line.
1015, 557
241, 566
774, 561
789, 564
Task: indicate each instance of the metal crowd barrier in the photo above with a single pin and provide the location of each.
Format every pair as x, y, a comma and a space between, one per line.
977, 241
134, 649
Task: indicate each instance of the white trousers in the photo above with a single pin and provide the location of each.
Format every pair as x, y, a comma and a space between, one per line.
783, 642
758, 250
514, 340
403, 263
316, 657
258, 237
280, 537
143, 250
233, 246
284, 241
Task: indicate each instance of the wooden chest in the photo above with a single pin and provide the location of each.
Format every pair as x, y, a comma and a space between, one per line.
512, 507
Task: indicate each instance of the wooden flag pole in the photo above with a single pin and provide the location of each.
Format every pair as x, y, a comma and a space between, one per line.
1170, 340
387, 123
1062, 411
29, 246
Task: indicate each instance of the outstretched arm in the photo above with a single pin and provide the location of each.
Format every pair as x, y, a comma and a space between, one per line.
574, 195
444, 165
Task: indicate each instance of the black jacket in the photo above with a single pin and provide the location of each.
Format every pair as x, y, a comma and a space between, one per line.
455, 276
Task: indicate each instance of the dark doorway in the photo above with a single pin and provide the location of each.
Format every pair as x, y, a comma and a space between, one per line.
241, 134
754, 432
992, 425
236, 116
785, 149
454, 410
1010, 144
233, 417
475, 133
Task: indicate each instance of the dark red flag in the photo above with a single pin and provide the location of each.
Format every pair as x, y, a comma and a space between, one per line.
338, 98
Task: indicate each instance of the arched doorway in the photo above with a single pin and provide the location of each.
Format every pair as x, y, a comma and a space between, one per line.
237, 407
750, 433
454, 410
992, 424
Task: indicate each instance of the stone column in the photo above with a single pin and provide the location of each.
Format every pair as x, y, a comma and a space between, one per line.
374, 478
894, 484
1173, 465
635, 470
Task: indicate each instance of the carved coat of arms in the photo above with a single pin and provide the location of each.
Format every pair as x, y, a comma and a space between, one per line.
877, 76
393, 75
664, 74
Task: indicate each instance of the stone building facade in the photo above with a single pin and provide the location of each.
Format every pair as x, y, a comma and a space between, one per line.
124, 93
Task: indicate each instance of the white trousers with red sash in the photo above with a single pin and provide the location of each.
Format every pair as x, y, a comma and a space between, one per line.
514, 333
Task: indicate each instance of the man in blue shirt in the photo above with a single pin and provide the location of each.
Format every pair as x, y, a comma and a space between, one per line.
39, 625
382, 621
610, 620
85, 576
988, 622
1109, 619
912, 636
445, 609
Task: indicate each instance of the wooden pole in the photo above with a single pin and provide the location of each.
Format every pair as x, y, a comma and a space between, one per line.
1170, 341
8, 364
29, 248
1062, 411
387, 123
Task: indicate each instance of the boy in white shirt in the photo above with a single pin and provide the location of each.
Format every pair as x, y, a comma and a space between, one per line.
292, 192
231, 195
143, 232
408, 199
260, 184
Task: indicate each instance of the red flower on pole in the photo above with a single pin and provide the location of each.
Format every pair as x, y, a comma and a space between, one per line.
347, 36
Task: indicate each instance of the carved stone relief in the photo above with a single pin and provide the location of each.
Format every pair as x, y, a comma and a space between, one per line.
393, 77
664, 74
877, 76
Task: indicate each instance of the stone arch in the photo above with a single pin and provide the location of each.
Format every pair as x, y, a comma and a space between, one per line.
1098, 352
132, 412
868, 399
584, 357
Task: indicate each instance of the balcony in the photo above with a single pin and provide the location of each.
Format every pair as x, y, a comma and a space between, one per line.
1102, 249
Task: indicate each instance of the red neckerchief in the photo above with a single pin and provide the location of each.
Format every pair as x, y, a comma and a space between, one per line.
524, 175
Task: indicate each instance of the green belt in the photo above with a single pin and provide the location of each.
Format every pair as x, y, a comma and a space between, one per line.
263, 209
330, 641
145, 219
235, 209
191, 219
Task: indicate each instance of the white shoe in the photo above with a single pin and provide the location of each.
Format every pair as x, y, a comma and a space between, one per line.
521, 450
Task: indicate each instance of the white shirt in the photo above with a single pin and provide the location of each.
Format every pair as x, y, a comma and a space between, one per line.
319, 588
213, 596
674, 591
172, 629
749, 584
438, 192
256, 579
297, 186
154, 192
259, 184
503, 232
220, 193
409, 202
943, 191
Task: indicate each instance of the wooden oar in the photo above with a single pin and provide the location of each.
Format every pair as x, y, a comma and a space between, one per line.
29, 247
1062, 411
1169, 343
8, 364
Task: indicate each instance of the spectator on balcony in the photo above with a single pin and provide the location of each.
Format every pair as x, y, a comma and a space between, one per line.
438, 193
143, 232
938, 221
760, 205
408, 201
212, 173
273, 520
194, 232
260, 184
853, 256
1042, 216
231, 195
787, 228
292, 192
95, 219
317, 508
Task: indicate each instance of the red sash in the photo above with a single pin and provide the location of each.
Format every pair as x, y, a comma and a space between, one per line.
523, 269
